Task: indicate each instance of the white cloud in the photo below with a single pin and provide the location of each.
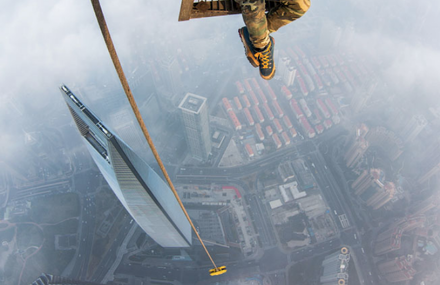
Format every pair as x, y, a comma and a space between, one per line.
398, 40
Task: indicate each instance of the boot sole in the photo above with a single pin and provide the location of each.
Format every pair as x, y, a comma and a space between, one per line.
252, 60
270, 76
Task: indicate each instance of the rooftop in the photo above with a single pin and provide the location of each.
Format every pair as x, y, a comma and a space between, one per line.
192, 103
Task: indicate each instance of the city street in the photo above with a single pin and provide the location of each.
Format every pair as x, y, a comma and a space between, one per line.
110, 256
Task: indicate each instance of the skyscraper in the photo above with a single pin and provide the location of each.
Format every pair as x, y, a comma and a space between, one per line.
363, 94
367, 179
390, 144
335, 268
398, 269
358, 101
391, 239
170, 75
195, 117
141, 191
429, 173
355, 153
413, 128
429, 161
283, 63
373, 189
286, 71
424, 206
330, 35
382, 195
289, 76
388, 240
362, 130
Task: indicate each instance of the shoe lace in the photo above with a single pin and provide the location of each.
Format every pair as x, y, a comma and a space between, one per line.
264, 57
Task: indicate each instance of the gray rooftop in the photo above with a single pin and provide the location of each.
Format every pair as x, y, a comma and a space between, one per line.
192, 103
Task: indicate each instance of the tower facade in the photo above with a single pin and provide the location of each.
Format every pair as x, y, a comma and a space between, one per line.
283, 63
388, 141
398, 269
170, 75
391, 239
141, 191
286, 71
195, 118
429, 161
426, 205
413, 128
356, 152
367, 179
382, 196
363, 95
429, 173
388, 240
289, 76
373, 189
330, 35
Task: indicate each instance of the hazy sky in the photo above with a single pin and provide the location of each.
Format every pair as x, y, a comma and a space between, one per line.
44, 44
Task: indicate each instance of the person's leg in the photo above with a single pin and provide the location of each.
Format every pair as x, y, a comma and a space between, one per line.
286, 12
254, 17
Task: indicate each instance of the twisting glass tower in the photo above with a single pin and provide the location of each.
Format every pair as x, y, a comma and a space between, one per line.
147, 198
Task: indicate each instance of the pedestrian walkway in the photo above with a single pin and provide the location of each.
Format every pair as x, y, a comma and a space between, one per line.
120, 254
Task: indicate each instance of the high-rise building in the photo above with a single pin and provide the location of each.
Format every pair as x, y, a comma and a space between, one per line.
362, 130
170, 74
283, 63
330, 35
388, 240
391, 239
49, 279
336, 268
125, 124
141, 191
195, 118
286, 71
348, 33
355, 153
363, 95
429, 161
396, 118
381, 137
426, 205
289, 76
413, 128
398, 269
429, 173
382, 195
373, 189
367, 179
358, 101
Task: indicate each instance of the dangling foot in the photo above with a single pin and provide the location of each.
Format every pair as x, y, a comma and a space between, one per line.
265, 59
248, 47
259, 57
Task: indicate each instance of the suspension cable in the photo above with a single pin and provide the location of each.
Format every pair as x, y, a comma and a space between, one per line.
111, 49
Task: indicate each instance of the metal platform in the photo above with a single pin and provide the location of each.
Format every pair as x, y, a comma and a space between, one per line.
193, 9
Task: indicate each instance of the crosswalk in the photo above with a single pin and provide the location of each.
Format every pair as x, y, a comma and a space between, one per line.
344, 221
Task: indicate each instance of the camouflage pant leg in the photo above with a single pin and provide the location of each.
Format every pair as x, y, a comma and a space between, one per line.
286, 12
254, 17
